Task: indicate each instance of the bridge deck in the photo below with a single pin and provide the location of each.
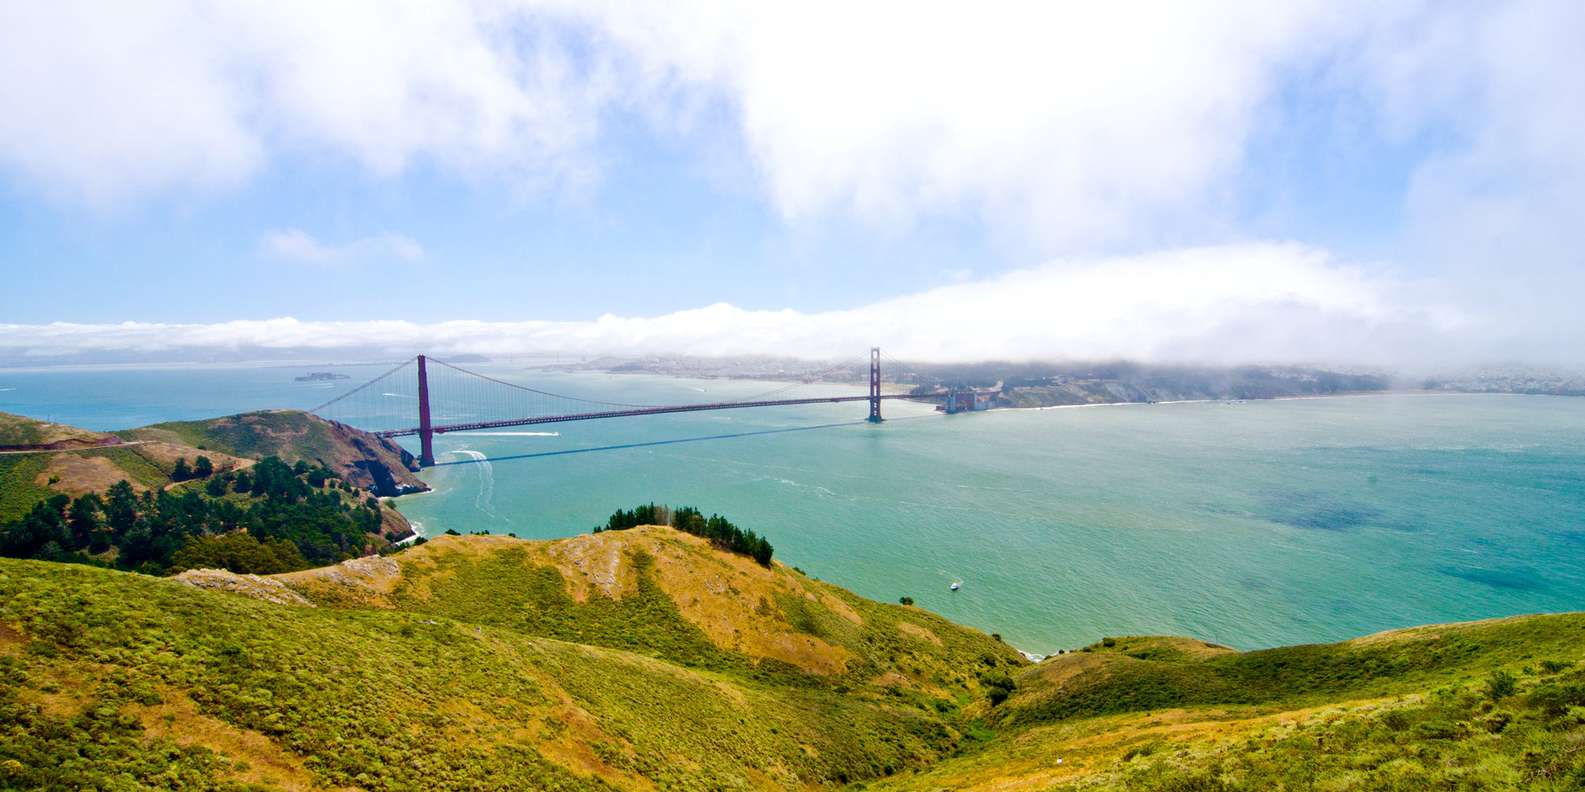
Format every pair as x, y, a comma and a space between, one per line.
590, 416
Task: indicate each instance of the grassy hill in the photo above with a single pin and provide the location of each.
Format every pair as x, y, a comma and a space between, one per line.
49, 465
17, 431
368, 462
1482, 705
477, 661
70, 461
648, 659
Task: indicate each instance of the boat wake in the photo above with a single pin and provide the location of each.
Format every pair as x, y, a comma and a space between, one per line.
485, 500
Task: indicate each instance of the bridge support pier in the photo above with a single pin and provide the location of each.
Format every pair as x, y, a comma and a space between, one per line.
875, 385
426, 432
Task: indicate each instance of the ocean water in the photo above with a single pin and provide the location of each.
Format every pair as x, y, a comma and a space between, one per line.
1251, 524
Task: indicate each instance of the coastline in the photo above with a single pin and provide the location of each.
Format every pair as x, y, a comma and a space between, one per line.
1350, 395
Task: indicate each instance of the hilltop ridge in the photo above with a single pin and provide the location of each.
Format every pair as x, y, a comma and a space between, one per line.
368, 462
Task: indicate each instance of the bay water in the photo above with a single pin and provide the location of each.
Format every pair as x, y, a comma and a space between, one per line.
1251, 524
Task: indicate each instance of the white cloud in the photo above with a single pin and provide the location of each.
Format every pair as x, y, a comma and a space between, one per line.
1229, 304
1078, 127
1067, 124
1498, 205
298, 245
104, 104
1064, 121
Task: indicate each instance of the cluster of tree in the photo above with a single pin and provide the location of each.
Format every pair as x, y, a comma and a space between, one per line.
719, 530
275, 518
202, 468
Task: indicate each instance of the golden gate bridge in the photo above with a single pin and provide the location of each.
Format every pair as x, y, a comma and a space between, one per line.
444, 397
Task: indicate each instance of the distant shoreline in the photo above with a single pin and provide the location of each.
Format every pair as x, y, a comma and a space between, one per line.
1355, 394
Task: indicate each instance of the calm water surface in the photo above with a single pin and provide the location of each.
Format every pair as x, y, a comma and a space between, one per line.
1252, 524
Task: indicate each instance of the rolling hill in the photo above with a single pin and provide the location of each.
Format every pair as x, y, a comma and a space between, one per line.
41, 460
368, 462
647, 659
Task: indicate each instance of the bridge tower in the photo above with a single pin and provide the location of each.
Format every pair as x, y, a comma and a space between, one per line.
426, 433
875, 384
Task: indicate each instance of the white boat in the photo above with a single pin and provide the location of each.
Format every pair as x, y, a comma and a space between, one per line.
956, 584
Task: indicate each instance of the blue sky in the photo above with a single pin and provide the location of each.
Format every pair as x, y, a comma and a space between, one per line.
1408, 169
674, 231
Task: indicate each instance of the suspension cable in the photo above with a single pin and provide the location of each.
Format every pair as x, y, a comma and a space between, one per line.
538, 391
398, 367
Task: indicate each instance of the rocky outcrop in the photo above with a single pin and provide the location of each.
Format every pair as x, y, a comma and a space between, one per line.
255, 586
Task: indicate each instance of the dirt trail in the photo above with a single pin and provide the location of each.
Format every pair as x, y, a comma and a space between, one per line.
70, 450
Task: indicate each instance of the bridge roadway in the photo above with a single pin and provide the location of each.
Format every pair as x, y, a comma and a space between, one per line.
680, 408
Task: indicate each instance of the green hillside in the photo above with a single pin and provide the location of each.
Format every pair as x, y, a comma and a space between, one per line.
646, 658
19, 431
1484, 705
410, 674
192, 483
47, 459
366, 461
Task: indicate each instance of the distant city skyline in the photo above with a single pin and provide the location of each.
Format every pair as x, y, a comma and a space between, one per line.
1324, 182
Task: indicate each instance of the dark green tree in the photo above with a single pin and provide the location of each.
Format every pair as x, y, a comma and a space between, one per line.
86, 520
121, 508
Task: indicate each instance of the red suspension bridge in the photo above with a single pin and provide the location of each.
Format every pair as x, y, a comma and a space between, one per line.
444, 397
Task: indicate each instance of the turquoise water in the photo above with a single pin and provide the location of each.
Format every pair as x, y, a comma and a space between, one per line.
1252, 524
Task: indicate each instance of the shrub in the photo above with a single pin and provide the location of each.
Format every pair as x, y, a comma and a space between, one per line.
1499, 685
998, 686
239, 552
905, 600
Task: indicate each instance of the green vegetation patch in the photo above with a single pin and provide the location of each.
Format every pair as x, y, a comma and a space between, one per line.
271, 518
17, 430
1297, 675
19, 488
288, 434
138, 467
1456, 738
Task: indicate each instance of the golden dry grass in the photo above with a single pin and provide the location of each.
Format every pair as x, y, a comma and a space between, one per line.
21, 430
262, 761
728, 597
1090, 749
